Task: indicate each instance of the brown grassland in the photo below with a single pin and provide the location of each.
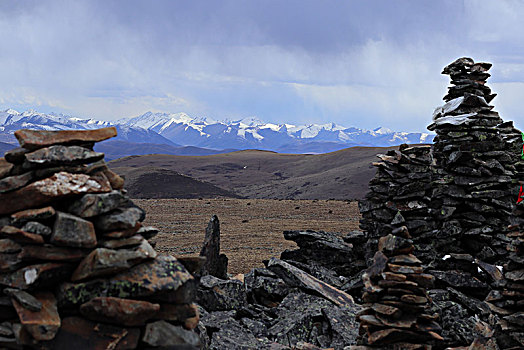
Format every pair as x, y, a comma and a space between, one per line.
251, 229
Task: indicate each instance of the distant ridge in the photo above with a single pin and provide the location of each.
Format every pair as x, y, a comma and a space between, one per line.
181, 130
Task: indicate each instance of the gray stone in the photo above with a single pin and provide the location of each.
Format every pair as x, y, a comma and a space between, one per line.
73, 231
119, 219
90, 205
164, 334
25, 299
216, 263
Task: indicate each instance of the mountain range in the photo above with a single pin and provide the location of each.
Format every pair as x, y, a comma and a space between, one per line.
178, 133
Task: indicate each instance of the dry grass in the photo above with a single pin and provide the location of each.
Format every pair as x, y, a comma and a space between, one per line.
251, 228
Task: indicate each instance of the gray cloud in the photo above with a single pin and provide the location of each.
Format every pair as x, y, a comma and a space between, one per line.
363, 63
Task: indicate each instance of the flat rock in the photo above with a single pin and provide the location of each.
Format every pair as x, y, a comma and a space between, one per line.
42, 324
20, 236
51, 253
9, 246
87, 335
298, 278
37, 228
15, 182
122, 243
34, 139
73, 231
164, 334
163, 277
45, 191
33, 214
119, 311
61, 155
119, 219
38, 275
103, 261
90, 205
25, 299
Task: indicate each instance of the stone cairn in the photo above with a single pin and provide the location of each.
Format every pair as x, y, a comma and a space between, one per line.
400, 195
475, 166
76, 269
395, 298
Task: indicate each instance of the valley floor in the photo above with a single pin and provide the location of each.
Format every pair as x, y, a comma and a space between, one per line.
251, 229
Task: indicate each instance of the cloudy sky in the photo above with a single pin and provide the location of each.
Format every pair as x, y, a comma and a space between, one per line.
355, 63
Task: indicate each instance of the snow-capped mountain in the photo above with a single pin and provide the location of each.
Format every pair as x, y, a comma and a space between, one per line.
253, 133
11, 120
248, 133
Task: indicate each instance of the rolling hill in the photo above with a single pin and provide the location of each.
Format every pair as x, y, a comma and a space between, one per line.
341, 175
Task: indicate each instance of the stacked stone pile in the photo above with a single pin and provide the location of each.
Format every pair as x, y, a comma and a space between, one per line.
475, 163
328, 256
76, 269
508, 300
400, 195
396, 300
277, 307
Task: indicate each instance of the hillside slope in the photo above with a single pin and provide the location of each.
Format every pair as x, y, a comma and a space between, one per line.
262, 174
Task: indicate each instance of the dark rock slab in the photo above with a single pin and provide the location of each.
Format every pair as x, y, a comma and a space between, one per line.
42, 192
42, 324
216, 263
217, 294
24, 299
87, 335
298, 278
344, 324
164, 334
119, 311
34, 139
119, 219
73, 231
61, 155
10, 262
90, 205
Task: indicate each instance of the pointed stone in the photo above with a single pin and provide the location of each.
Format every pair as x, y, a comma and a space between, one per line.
45, 191
216, 263
42, 324
34, 139
73, 231
119, 311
